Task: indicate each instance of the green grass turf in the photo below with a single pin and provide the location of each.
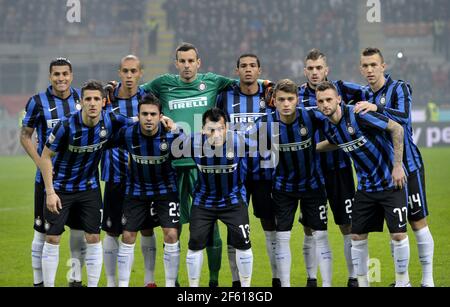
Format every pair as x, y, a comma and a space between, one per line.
16, 233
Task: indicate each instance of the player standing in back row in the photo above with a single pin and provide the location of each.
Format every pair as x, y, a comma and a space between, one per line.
42, 113
393, 99
184, 98
336, 167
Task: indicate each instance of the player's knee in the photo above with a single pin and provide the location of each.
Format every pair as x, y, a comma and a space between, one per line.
170, 235
129, 237
359, 237
92, 238
54, 240
418, 225
398, 236
308, 231
345, 229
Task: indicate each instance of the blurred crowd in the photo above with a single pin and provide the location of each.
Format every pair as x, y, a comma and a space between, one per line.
280, 32
40, 22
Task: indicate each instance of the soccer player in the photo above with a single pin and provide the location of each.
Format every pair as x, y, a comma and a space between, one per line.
375, 144
151, 189
244, 103
43, 111
71, 183
219, 195
296, 177
114, 172
392, 98
184, 98
335, 166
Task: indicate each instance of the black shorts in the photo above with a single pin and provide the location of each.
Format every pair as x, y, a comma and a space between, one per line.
417, 196
73, 221
261, 194
87, 206
235, 218
141, 213
340, 187
371, 209
113, 199
313, 206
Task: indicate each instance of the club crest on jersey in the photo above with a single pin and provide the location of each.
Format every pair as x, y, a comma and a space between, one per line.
124, 220
163, 146
51, 138
103, 133
38, 222
78, 106
47, 226
351, 130
383, 100
262, 104
202, 86
303, 131
230, 155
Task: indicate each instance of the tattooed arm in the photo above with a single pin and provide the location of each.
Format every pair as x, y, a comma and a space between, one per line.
397, 135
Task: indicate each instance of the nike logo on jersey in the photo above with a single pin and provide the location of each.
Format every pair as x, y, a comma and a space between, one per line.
401, 225
115, 109
172, 88
51, 110
175, 221
414, 213
234, 105
305, 100
134, 147
77, 138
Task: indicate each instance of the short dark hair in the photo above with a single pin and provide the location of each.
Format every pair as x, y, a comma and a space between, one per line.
183, 47
314, 55
60, 62
131, 57
248, 55
214, 115
369, 51
287, 86
93, 85
326, 85
149, 99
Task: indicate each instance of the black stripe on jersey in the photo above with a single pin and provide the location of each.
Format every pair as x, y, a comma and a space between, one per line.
163, 139
52, 105
395, 102
364, 149
140, 170
87, 156
42, 136
71, 157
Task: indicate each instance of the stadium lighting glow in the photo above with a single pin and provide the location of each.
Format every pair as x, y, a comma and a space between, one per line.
400, 55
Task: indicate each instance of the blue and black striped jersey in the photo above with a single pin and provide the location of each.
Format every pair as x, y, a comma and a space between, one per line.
243, 111
365, 139
44, 110
221, 172
150, 173
350, 93
394, 101
79, 149
115, 161
296, 170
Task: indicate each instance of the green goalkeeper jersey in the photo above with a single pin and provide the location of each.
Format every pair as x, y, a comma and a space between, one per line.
184, 102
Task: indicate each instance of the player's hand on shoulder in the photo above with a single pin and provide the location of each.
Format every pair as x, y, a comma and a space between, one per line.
364, 107
109, 91
168, 123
